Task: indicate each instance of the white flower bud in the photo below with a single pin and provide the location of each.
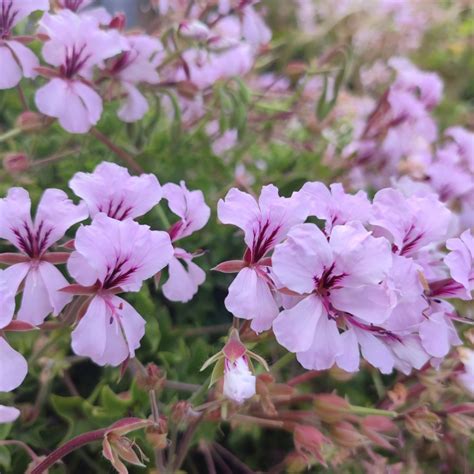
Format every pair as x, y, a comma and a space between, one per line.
239, 382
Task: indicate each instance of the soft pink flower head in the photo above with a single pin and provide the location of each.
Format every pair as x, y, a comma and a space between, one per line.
464, 141
410, 223
341, 280
239, 382
76, 45
137, 64
16, 59
55, 214
336, 206
460, 261
190, 206
265, 223
115, 256
110, 189
254, 29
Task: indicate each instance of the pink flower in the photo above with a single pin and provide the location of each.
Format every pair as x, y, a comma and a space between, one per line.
110, 189
461, 262
8, 414
137, 64
265, 223
335, 206
239, 382
76, 44
466, 377
16, 59
42, 281
254, 29
112, 257
341, 281
184, 275
410, 223
81, 7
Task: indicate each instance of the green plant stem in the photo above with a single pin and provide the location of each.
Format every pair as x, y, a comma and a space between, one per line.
372, 411
10, 134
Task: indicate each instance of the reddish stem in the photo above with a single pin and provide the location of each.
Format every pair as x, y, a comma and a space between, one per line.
303, 378
69, 447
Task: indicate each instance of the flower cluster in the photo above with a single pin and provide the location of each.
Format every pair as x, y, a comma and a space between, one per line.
373, 280
113, 254
90, 59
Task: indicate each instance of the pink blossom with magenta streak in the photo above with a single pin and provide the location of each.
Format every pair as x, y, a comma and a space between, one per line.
137, 64
342, 281
76, 45
112, 257
42, 280
16, 59
265, 223
111, 190
185, 276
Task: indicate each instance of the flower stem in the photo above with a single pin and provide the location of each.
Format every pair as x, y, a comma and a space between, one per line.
69, 447
10, 134
122, 154
372, 411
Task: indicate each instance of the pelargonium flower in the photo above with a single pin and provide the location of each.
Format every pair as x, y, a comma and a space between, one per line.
16, 59
81, 7
110, 189
341, 281
136, 64
111, 257
460, 261
410, 223
336, 206
265, 223
42, 280
183, 283
76, 44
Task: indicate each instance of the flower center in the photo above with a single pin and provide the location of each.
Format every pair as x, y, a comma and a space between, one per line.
118, 274
116, 211
264, 238
32, 242
72, 5
7, 18
75, 60
123, 61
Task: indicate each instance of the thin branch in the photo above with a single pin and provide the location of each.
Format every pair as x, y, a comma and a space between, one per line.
121, 153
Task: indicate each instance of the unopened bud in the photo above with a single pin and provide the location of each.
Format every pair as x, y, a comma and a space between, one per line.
344, 434
118, 21
157, 435
153, 378
15, 163
330, 408
309, 442
194, 29
181, 412
30, 121
187, 89
296, 69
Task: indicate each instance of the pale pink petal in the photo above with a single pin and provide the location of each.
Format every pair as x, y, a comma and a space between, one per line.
55, 214
54, 281
349, 359
10, 280
294, 328
304, 255
251, 298
326, 346
13, 368
135, 105
434, 334
11, 72
110, 189
89, 336
8, 414
25, 57
15, 216
375, 351
35, 302
25, 7
372, 303
183, 284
